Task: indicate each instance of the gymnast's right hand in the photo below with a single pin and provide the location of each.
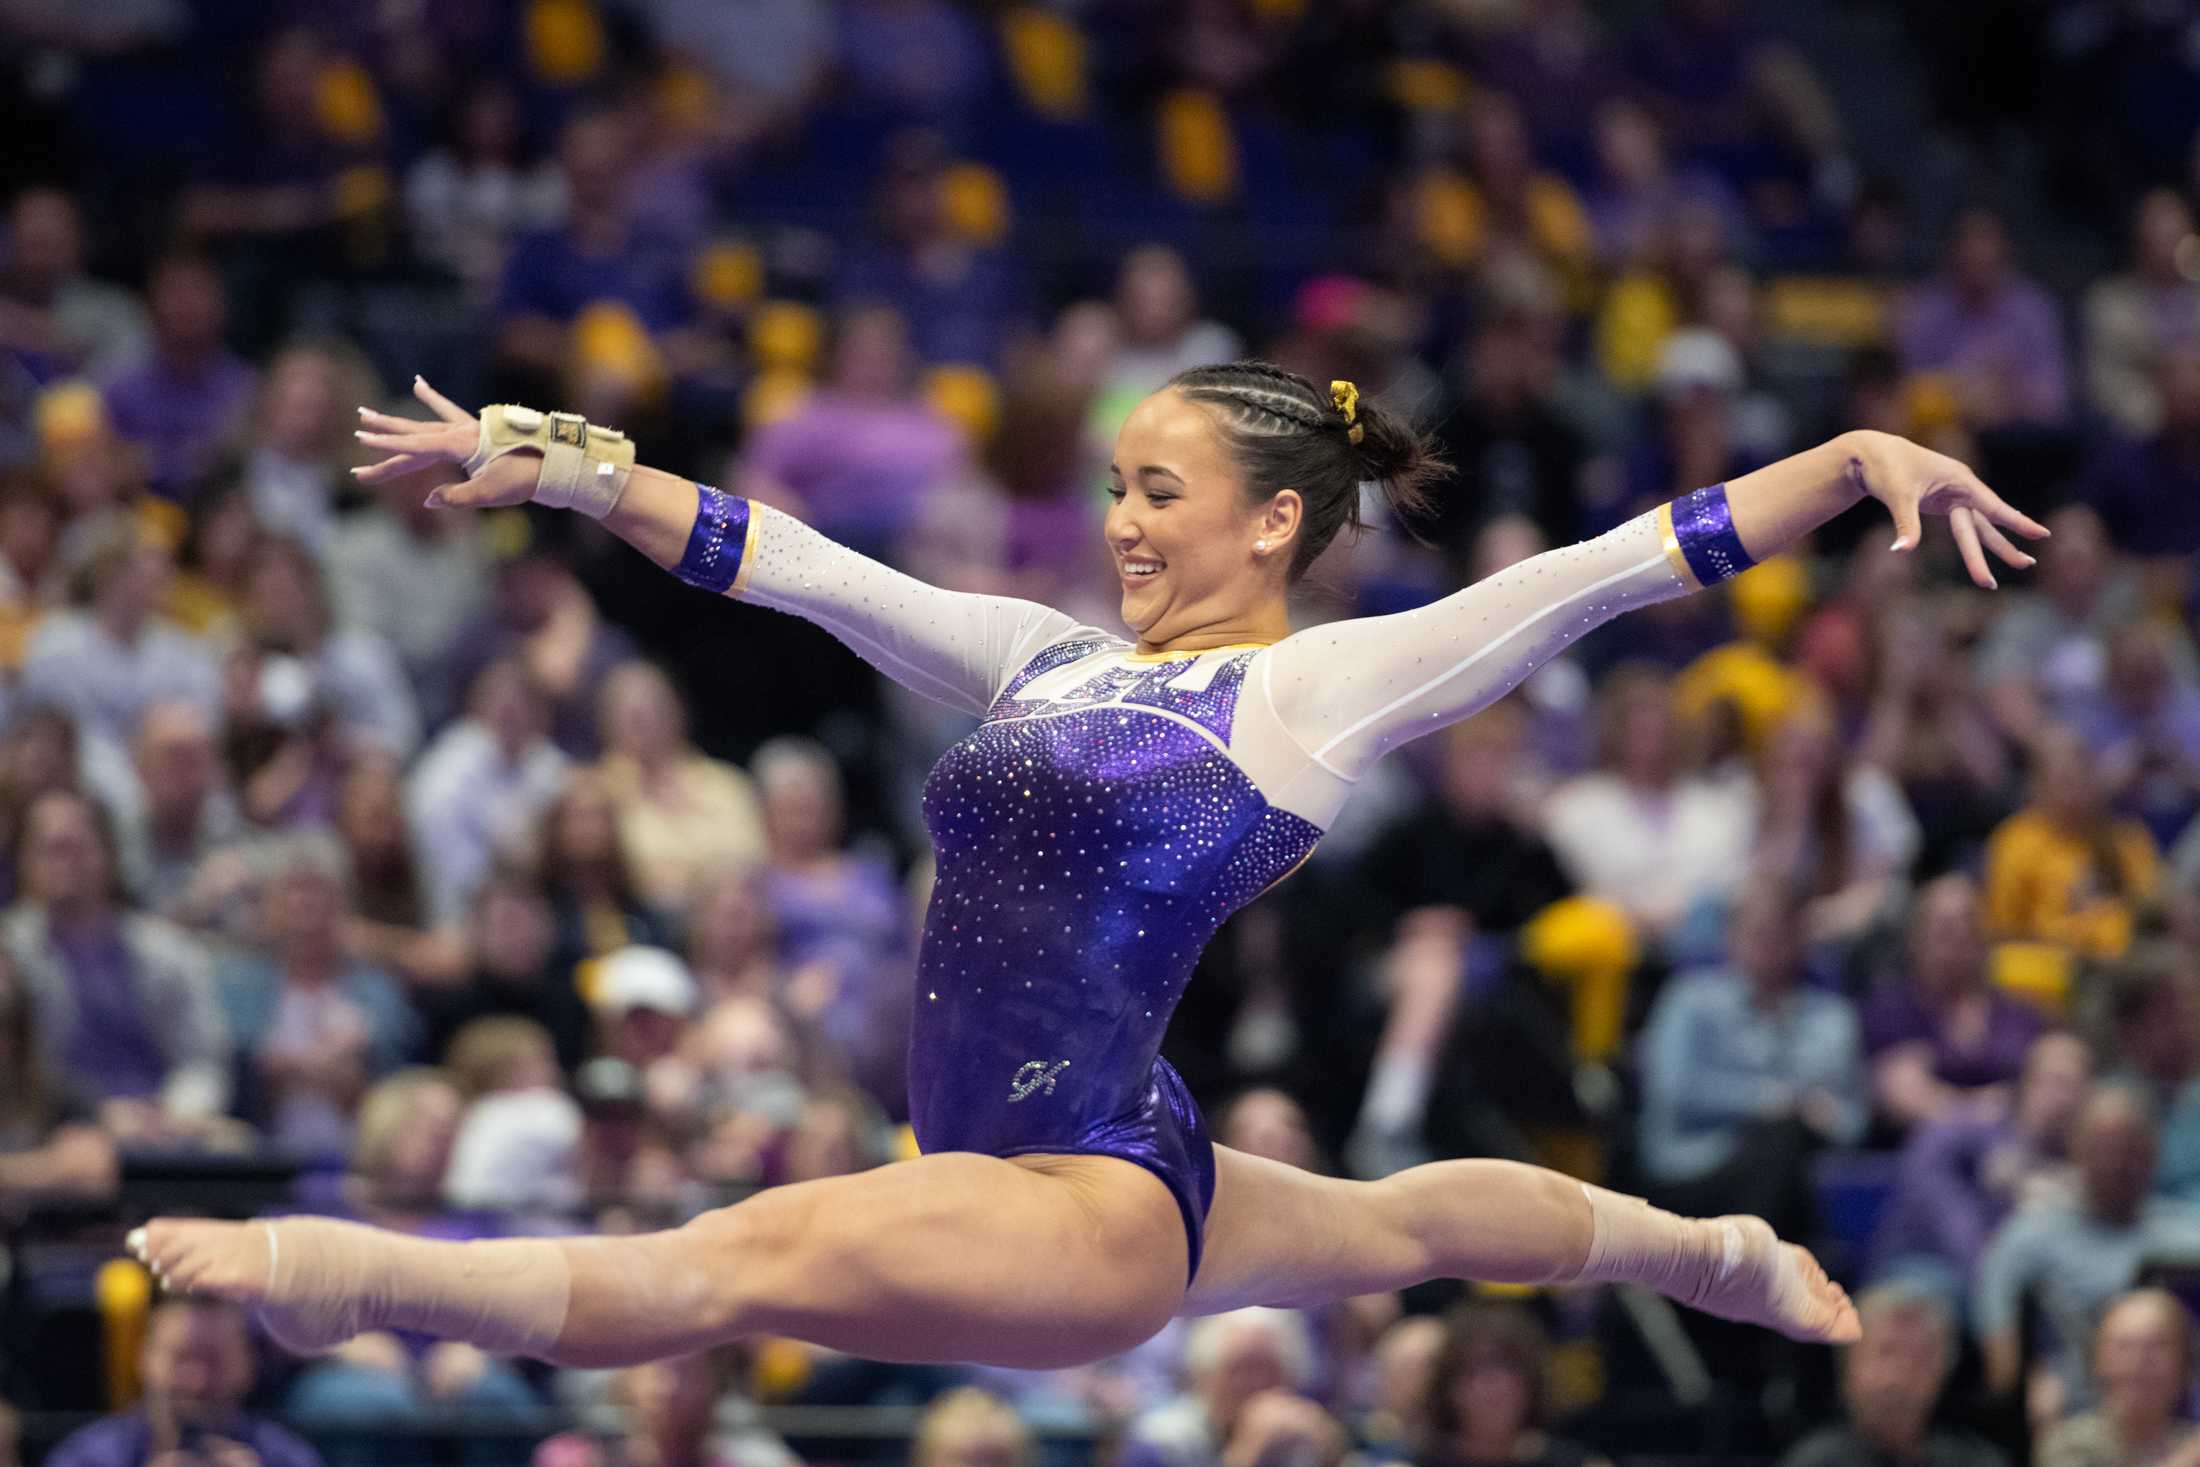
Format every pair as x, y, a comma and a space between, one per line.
451, 436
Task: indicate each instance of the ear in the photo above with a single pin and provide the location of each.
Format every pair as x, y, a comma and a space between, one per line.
1280, 517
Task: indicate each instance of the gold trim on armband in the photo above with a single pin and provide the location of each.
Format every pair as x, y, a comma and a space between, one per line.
1672, 543
748, 551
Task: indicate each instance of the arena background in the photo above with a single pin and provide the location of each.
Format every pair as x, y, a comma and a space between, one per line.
467, 874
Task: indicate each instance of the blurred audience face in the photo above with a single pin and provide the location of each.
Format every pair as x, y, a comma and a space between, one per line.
65, 860
828, 1141
178, 764
2075, 564
729, 922
1481, 761
1405, 1368
305, 902
1506, 541
1628, 147
197, 1362
596, 152
1893, 1375
2142, 1359
407, 1125
1978, 254
514, 931
1154, 297
283, 584
2113, 1150
1638, 734
1267, 1122
190, 308
2057, 1070
2160, 223
45, 241
968, 1428
743, 1036
672, 1402
872, 355
641, 713
302, 404
370, 812
505, 702
128, 584
2064, 784
1947, 944
1766, 936
1250, 1357
801, 804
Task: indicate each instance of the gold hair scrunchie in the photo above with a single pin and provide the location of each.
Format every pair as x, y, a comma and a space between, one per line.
1347, 400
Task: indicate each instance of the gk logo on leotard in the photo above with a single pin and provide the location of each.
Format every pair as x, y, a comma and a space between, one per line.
1035, 1078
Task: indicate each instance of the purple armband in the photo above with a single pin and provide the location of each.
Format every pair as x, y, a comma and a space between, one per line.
715, 545
1702, 530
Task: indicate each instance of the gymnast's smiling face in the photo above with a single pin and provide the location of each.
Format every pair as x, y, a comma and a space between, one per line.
1185, 534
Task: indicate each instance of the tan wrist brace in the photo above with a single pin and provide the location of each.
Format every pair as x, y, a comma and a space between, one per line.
329, 1281
584, 467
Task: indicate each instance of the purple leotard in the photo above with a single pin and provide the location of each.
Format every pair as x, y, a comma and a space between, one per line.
1112, 808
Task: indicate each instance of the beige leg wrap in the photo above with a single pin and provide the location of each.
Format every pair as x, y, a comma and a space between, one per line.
1734, 1267
329, 1281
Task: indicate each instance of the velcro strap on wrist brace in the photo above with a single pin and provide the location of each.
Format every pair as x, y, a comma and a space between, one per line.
584, 467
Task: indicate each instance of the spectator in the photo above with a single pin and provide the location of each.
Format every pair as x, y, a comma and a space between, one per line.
188, 402
1838, 831
126, 1003
644, 997
206, 597
744, 1084
1405, 1383
2065, 869
2047, 652
1745, 1071
196, 1365
51, 1143
1924, 727
180, 856
1157, 306
732, 939
541, 615
389, 923
1995, 332
680, 814
1890, 1382
481, 788
2142, 1377
401, 1151
470, 197
2131, 319
962, 302
303, 444
110, 656
1638, 189
2142, 730
315, 1026
2145, 488
1970, 1166
352, 670
840, 913
670, 1414
1266, 1121
1941, 1033
2069, 1259
54, 318
1489, 1395
861, 457
417, 579
1639, 831
968, 1428
510, 971
518, 1146
591, 887
1246, 1369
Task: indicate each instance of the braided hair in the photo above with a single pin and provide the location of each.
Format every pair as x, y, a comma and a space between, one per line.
1287, 433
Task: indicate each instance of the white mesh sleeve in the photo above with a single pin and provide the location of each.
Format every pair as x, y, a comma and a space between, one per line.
1348, 692
952, 646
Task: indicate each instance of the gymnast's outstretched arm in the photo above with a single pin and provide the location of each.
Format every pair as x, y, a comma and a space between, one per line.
956, 647
1350, 691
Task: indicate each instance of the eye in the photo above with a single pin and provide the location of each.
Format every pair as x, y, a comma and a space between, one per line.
1115, 491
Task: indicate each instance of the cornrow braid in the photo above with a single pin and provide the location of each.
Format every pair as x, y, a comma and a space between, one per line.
1286, 433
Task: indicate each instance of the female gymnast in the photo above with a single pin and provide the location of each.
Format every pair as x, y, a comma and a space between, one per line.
1121, 798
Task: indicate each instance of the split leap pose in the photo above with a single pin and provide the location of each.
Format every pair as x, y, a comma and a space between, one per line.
1121, 798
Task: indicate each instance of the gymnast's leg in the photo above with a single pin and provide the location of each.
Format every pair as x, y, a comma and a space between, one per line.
1034, 1261
1281, 1236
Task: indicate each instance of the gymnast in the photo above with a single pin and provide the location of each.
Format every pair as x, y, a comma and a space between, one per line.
1120, 799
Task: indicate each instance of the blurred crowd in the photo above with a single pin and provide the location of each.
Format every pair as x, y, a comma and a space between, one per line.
480, 879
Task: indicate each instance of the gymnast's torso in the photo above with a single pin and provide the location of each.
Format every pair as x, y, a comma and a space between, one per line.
1112, 808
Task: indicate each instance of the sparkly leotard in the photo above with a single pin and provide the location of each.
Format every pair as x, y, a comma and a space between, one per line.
1112, 809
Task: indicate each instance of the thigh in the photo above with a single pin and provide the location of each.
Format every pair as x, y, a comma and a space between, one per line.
1034, 1261
1288, 1238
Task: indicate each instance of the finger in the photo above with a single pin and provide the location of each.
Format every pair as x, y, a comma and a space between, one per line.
1994, 508
1974, 559
390, 423
443, 407
464, 494
1909, 529
394, 442
395, 467
2001, 544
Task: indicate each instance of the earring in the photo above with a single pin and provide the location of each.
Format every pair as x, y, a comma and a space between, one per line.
1260, 544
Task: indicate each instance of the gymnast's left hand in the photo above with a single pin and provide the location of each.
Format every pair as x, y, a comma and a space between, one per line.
413, 444
1913, 481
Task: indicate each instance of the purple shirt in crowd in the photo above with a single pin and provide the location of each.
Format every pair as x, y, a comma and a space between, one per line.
1961, 1175
862, 467
1896, 1014
181, 416
111, 1053
2016, 336
127, 1441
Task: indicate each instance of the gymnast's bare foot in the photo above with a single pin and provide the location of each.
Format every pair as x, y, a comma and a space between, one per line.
226, 1260
1764, 1281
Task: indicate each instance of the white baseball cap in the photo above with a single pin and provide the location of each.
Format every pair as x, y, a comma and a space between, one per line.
644, 978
